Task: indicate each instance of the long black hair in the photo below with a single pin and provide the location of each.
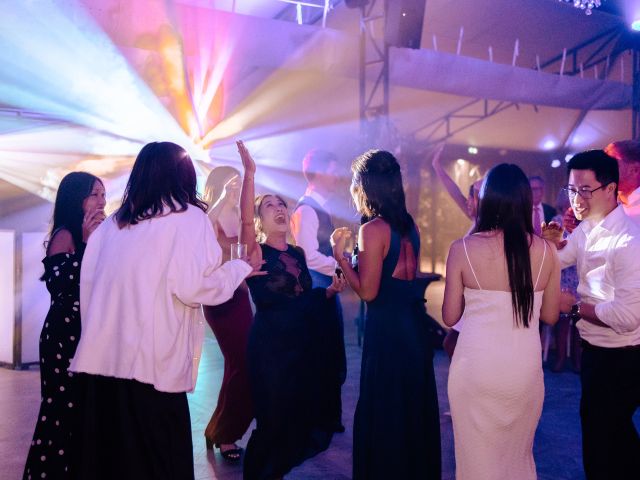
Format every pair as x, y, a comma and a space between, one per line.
162, 176
377, 184
74, 188
506, 205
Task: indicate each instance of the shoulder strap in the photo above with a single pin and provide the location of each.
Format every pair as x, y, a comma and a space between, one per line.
470, 266
544, 253
393, 254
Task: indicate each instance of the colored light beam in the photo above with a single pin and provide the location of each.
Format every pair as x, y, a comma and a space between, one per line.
57, 61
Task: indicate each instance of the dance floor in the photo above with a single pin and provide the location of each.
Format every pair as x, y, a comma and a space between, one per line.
557, 444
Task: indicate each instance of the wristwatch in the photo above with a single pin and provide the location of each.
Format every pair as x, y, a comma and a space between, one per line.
575, 312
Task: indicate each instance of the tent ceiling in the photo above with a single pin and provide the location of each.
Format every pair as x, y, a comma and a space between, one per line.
284, 92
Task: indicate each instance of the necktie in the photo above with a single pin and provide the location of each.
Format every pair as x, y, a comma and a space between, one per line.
537, 220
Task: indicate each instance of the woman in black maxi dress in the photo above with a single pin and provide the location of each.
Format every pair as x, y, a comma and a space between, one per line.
396, 427
78, 211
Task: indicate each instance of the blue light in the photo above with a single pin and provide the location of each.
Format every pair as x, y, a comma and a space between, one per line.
635, 25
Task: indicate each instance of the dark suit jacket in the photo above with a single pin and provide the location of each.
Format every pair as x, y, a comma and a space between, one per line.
549, 212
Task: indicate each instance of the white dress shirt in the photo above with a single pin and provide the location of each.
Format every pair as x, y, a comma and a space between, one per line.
607, 255
304, 227
141, 290
632, 208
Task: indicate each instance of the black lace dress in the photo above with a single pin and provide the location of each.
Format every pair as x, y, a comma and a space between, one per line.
293, 366
52, 452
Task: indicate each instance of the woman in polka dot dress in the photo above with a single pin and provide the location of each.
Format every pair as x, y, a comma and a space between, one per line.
78, 210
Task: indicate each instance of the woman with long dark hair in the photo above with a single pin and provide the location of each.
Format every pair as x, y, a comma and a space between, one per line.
293, 359
78, 210
501, 280
145, 274
396, 431
230, 321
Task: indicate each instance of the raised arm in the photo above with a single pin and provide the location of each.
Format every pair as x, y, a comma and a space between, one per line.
216, 209
450, 186
247, 196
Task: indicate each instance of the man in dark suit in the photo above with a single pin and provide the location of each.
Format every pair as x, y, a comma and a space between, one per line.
541, 211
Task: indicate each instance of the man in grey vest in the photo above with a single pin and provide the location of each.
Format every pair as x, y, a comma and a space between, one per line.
311, 225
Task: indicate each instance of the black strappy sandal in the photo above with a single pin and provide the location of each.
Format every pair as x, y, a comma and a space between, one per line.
231, 455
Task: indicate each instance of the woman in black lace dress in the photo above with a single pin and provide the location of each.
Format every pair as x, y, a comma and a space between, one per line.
78, 210
292, 369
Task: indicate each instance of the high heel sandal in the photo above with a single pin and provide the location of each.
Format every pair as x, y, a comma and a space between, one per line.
231, 455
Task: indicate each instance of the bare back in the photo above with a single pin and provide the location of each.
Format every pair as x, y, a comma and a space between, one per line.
486, 255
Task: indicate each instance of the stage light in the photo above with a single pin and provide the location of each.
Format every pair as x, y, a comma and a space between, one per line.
568, 157
549, 144
555, 163
635, 25
461, 161
472, 150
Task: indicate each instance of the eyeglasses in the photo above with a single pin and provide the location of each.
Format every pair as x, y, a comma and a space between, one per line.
583, 192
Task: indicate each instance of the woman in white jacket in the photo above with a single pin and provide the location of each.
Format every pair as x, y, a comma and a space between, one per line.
146, 272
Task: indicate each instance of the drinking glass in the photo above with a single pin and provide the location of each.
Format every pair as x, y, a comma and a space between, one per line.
238, 250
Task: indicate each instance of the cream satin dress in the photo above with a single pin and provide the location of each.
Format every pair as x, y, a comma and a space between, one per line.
496, 387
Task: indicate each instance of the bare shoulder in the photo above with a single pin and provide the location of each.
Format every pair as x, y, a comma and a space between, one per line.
538, 245
375, 227
456, 245
374, 234
61, 242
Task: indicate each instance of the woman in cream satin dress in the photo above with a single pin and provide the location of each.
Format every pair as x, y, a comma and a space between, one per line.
501, 280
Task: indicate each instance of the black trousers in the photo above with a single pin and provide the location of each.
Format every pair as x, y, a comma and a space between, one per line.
131, 431
610, 396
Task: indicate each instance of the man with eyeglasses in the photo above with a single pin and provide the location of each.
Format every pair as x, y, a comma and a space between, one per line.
606, 249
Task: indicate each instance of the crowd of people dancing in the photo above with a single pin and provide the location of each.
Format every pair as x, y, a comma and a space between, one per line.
130, 294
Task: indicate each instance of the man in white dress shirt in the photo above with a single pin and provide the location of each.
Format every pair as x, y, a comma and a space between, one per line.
627, 154
311, 226
605, 247
311, 223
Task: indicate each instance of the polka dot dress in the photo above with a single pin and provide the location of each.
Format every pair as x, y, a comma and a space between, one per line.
51, 452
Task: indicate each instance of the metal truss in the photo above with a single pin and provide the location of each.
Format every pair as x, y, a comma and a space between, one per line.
319, 10
602, 49
373, 63
635, 119
462, 118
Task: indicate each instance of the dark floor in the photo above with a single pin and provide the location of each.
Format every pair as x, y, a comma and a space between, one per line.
557, 444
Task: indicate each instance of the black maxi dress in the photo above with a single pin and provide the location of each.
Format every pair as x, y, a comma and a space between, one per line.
396, 426
52, 453
293, 365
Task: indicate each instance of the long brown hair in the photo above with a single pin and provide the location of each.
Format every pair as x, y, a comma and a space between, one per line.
377, 184
74, 188
162, 177
506, 205
215, 183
